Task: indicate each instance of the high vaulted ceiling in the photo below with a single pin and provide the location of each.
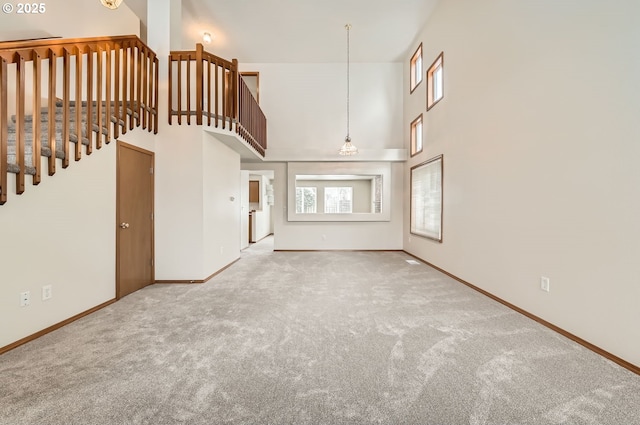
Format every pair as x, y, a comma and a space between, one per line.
281, 31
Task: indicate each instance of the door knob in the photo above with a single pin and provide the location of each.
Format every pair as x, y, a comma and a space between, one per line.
124, 225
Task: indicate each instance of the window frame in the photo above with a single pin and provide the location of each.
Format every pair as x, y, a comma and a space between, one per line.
415, 75
328, 189
437, 167
315, 199
437, 64
414, 137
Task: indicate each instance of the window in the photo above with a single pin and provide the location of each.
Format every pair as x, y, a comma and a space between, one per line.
338, 200
426, 199
306, 200
416, 68
435, 82
416, 136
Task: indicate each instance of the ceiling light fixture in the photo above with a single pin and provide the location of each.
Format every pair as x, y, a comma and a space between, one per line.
206, 37
111, 4
348, 149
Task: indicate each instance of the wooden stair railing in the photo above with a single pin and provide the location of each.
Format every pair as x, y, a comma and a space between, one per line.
221, 96
92, 88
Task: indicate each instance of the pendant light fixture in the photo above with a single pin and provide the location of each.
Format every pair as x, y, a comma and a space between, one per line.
348, 149
111, 4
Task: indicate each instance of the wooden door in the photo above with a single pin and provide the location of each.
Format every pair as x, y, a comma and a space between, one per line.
134, 226
254, 191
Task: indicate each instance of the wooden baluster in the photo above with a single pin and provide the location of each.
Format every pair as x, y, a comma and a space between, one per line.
66, 113
53, 59
116, 91
36, 120
179, 89
78, 98
188, 90
155, 97
224, 97
89, 109
199, 77
124, 76
107, 113
20, 132
145, 82
4, 131
235, 75
132, 85
208, 93
138, 102
216, 94
99, 88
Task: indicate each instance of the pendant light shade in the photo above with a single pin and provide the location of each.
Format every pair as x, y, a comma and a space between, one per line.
111, 4
348, 149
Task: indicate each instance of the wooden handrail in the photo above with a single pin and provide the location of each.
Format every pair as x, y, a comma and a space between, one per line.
100, 86
220, 95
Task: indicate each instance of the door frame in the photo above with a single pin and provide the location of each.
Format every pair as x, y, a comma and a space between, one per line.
124, 145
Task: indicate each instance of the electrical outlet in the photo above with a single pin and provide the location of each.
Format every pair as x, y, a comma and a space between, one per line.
544, 283
47, 292
25, 298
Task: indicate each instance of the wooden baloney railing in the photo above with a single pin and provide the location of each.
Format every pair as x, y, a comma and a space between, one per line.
212, 90
85, 91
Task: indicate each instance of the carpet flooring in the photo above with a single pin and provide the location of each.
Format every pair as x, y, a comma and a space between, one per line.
312, 338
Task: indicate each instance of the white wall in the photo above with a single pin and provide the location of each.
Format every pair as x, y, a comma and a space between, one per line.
381, 235
69, 19
221, 204
179, 203
538, 128
197, 225
45, 242
305, 105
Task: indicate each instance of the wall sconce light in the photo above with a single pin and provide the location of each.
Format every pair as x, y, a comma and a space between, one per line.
111, 4
206, 37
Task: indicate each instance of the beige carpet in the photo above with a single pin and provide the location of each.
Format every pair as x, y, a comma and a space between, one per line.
312, 338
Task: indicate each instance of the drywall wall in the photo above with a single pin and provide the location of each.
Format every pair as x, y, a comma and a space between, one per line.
179, 203
538, 128
382, 235
59, 233
68, 19
221, 204
197, 223
306, 106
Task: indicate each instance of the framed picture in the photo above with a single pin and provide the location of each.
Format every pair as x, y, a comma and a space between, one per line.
426, 199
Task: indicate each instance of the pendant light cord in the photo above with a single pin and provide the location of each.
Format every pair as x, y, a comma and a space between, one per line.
348, 27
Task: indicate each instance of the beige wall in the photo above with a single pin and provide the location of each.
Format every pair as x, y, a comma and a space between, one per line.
539, 132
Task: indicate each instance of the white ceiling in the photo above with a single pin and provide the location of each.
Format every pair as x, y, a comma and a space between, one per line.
307, 31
